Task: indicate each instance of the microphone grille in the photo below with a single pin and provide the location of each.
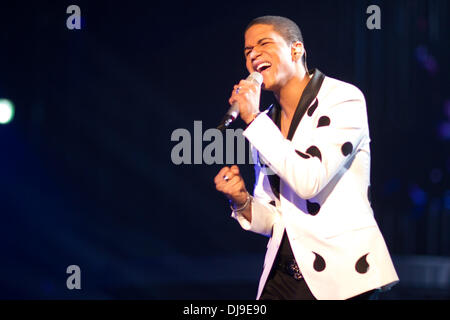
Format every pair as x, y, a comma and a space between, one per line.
256, 77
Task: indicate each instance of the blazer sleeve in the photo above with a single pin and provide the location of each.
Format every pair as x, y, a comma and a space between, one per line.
264, 214
324, 153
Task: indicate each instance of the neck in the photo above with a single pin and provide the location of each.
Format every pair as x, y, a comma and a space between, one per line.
289, 95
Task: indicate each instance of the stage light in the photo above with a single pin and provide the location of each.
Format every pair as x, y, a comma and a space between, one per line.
417, 195
426, 59
6, 111
447, 199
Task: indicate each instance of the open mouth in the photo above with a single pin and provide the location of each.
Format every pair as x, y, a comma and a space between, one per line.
263, 67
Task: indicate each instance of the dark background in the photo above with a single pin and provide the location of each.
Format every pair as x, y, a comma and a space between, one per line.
86, 171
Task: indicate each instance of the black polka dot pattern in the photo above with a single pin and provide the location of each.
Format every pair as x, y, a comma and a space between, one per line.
313, 207
273, 203
361, 265
314, 152
347, 148
319, 263
323, 121
313, 108
301, 154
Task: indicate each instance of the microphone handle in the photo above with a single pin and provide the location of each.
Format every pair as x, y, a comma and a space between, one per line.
233, 111
230, 116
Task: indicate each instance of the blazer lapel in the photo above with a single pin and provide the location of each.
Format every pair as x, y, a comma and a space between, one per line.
308, 95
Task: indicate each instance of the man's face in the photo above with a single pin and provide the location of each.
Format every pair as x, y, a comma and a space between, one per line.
267, 52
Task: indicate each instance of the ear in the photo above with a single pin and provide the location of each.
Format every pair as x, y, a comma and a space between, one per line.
297, 51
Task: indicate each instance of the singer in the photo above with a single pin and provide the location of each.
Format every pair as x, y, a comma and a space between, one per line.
314, 202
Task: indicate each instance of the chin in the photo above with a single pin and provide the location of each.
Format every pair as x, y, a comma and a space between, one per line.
268, 83
267, 87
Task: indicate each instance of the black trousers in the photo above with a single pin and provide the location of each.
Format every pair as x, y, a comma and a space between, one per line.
282, 286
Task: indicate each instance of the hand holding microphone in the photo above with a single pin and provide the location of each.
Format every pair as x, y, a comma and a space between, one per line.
244, 100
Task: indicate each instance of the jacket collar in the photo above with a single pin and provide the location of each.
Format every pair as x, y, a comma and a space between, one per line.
309, 94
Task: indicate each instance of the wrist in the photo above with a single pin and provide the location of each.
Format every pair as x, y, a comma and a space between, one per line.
252, 117
242, 206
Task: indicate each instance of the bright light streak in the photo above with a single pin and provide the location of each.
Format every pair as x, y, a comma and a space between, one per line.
6, 111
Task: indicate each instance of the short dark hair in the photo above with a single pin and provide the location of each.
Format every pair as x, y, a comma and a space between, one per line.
287, 28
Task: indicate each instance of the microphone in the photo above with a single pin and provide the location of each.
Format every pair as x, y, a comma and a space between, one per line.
233, 112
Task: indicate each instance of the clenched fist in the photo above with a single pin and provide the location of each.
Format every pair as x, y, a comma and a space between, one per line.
230, 182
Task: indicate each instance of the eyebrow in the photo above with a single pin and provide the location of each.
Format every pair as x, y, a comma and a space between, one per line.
259, 41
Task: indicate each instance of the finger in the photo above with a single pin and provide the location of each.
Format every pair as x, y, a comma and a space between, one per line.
226, 177
227, 187
223, 170
221, 186
232, 99
236, 98
221, 173
248, 85
234, 181
242, 91
234, 169
235, 95
237, 89
245, 83
232, 186
244, 86
227, 180
219, 177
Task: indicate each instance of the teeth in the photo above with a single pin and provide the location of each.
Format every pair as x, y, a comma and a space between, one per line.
262, 65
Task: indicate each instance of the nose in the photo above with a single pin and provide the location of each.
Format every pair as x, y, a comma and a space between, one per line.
254, 54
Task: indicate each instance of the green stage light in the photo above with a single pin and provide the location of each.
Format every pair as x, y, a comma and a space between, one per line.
6, 111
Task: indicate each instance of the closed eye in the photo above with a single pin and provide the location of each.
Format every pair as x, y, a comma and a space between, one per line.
261, 42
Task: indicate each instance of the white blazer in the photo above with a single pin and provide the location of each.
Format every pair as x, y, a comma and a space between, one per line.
323, 201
